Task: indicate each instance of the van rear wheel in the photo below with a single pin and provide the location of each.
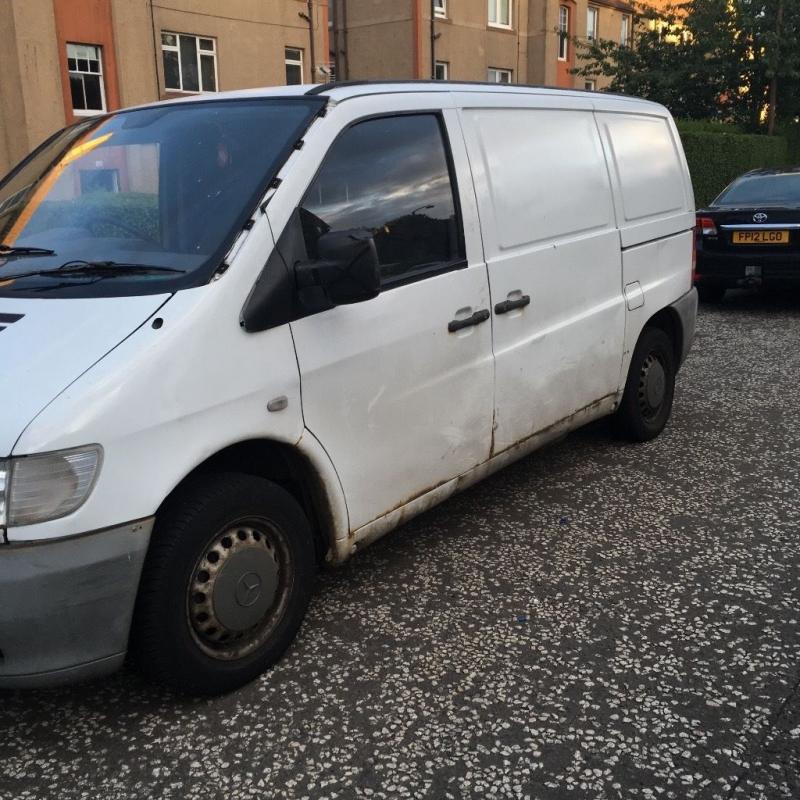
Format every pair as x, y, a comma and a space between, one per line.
647, 401
225, 586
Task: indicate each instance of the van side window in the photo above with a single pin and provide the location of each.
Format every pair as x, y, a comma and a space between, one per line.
391, 177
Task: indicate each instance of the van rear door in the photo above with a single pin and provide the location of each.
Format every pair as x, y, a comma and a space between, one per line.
553, 256
654, 207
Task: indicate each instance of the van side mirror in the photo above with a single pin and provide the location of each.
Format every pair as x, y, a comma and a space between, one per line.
347, 270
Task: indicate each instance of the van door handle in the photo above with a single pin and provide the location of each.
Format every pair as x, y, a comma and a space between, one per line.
510, 305
476, 319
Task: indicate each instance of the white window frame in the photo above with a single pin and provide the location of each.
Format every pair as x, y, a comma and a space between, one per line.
445, 70
498, 71
590, 85
440, 8
88, 112
592, 22
294, 62
563, 33
198, 52
494, 7
625, 30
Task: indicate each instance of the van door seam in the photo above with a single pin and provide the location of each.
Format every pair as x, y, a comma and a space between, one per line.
657, 239
458, 111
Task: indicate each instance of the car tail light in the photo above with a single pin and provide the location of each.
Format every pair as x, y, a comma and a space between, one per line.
706, 226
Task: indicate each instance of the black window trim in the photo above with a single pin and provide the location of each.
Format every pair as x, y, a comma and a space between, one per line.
422, 271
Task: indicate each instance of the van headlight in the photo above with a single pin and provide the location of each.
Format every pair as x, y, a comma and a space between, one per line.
42, 487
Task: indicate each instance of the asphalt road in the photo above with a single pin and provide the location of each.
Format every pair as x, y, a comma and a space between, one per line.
599, 621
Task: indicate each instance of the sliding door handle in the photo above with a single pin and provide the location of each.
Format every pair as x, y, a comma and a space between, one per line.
476, 319
510, 305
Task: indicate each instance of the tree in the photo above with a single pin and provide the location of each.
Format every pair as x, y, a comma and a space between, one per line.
770, 31
732, 60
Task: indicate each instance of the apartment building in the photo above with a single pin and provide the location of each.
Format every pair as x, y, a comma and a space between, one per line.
62, 60
508, 41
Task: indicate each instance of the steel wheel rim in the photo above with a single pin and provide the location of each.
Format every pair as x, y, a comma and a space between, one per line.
652, 389
222, 579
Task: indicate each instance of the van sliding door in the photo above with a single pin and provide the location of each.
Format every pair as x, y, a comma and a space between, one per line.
553, 256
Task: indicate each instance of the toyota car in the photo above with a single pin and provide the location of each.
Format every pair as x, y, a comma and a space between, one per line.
750, 235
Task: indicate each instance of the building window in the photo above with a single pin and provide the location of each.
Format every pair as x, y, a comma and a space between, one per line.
496, 75
625, 31
440, 8
500, 13
190, 62
563, 33
590, 86
591, 22
85, 65
441, 71
293, 58
99, 180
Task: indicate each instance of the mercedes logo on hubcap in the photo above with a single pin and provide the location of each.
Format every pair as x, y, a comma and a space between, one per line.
760, 217
248, 589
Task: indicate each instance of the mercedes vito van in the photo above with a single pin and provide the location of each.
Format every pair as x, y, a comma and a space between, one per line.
245, 334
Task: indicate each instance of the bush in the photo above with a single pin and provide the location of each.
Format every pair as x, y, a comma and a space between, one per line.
716, 155
137, 211
791, 132
708, 126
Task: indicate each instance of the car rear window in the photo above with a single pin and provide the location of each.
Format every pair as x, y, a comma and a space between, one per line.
762, 190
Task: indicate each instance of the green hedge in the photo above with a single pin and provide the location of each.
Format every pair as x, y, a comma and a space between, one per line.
137, 211
791, 132
708, 126
716, 155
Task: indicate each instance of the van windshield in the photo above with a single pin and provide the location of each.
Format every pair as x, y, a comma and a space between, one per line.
144, 201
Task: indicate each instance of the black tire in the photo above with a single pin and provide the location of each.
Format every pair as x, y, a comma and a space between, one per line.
225, 538
711, 294
649, 390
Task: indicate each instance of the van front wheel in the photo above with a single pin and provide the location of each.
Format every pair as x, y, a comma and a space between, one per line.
225, 585
647, 402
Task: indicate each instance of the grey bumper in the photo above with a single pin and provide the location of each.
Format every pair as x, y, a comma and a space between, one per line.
686, 309
66, 605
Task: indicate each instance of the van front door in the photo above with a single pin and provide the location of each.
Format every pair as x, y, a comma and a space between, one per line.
399, 397
553, 251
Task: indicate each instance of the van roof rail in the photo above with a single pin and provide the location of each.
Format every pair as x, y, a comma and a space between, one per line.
322, 88
326, 87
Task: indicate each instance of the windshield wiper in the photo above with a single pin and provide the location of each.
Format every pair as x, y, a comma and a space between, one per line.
93, 269
80, 267
10, 250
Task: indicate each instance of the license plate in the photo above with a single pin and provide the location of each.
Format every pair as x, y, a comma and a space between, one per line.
761, 237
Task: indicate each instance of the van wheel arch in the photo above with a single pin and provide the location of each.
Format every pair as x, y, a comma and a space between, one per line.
285, 466
668, 321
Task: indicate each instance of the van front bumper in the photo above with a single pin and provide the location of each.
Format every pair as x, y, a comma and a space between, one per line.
66, 605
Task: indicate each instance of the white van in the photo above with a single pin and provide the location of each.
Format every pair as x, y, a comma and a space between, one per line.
248, 333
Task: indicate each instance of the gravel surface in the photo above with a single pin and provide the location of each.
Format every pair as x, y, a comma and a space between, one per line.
599, 620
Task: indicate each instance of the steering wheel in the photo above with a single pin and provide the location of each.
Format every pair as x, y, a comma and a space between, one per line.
103, 219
